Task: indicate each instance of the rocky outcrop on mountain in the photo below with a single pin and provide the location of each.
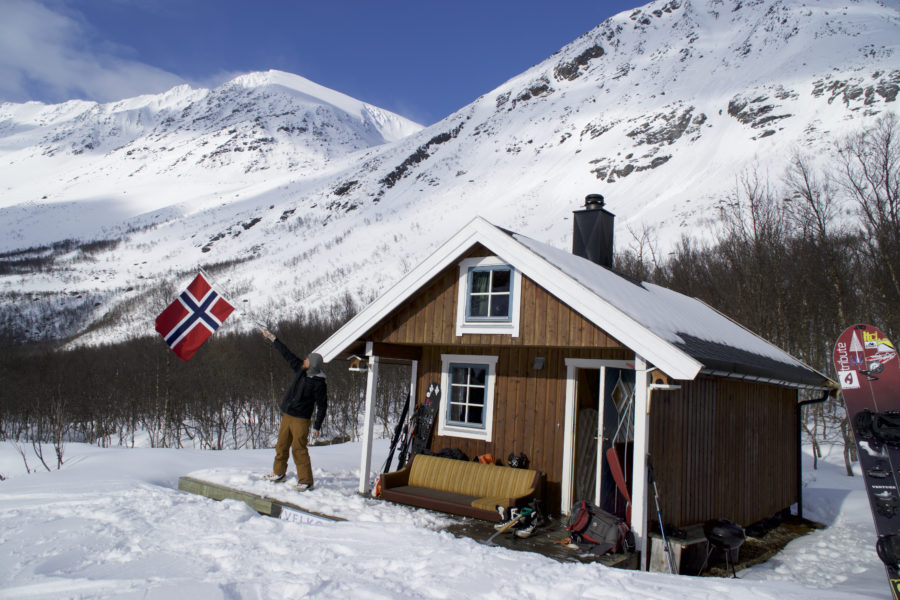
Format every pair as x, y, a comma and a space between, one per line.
308, 195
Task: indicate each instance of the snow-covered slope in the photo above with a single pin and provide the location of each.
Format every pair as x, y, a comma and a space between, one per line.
112, 524
73, 169
660, 109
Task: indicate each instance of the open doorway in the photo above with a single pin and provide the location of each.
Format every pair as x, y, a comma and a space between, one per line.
618, 434
602, 405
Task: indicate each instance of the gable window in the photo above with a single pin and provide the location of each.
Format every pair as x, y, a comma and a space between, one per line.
468, 406
489, 293
488, 301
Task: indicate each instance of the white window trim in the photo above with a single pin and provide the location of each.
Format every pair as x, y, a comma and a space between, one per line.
468, 432
510, 327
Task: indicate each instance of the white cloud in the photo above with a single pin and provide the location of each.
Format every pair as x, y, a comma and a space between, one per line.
47, 55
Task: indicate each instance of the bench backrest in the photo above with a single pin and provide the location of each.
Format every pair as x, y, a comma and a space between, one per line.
470, 478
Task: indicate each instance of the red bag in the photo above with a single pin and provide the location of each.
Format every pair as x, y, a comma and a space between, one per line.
596, 529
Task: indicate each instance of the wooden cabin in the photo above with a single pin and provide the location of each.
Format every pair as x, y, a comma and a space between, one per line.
544, 352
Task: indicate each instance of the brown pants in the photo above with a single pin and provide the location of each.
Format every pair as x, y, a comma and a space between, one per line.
292, 437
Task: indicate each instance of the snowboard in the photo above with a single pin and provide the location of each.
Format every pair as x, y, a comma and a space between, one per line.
869, 374
423, 421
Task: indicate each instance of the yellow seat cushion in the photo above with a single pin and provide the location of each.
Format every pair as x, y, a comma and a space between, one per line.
486, 482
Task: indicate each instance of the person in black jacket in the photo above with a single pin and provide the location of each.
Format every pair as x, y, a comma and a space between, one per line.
307, 393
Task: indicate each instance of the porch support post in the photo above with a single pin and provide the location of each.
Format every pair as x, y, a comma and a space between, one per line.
413, 378
639, 464
601, 408
568, 474
365, 462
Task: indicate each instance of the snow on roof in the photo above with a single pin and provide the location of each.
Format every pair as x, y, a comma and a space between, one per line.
687, 323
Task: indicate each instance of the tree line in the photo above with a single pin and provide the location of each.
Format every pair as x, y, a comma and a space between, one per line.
800, 259
138, 391
795, 261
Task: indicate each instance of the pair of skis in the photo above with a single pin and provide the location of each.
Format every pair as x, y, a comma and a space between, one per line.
868, 370
413, 436
401, 428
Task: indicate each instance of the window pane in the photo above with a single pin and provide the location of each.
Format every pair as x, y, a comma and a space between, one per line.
457, 394
457, 413
479, 375
481, 281
476, 396
500, 306
501, 281
459, 374
478, 307
475, 416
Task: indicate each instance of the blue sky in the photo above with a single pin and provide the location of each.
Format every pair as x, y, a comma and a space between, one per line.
423, 59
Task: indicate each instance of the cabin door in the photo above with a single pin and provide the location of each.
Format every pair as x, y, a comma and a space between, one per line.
587, 419
599, 406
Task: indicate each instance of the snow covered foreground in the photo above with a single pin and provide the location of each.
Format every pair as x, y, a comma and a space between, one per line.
112, 524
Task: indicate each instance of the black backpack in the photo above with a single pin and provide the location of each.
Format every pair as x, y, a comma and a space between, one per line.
596, 530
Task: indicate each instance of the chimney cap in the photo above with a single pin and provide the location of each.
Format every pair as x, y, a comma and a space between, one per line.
594, 201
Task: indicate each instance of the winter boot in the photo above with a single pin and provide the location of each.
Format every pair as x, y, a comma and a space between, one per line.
506, 517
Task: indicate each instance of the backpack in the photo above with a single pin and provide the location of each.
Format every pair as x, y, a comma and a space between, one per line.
454, 453
597, 530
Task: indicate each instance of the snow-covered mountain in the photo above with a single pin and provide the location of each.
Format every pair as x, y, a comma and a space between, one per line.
72, 169
307, 195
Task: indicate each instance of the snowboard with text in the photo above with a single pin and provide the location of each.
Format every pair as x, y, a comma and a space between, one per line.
868, 370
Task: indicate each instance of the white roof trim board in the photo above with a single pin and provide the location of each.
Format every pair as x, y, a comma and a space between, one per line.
668, 329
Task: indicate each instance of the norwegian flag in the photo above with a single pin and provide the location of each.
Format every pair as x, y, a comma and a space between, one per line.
193, 317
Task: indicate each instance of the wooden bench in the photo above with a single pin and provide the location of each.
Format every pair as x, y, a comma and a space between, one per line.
459, 487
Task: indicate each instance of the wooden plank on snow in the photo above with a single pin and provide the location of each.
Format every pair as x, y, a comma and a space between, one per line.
261, 504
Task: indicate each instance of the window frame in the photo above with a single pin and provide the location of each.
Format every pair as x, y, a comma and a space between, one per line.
490, 294
447, 428
491, 325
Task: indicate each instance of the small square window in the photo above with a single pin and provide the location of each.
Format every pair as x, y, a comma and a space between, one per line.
489, 293
467, 408
467, 387
488, 297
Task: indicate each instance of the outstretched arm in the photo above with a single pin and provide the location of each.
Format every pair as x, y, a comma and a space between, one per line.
291, 358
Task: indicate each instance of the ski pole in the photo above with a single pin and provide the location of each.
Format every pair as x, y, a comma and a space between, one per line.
670, 563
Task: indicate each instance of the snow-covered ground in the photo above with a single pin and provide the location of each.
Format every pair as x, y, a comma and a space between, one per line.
112, 524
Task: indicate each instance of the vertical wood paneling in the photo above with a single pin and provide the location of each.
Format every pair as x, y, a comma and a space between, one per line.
724, 449
529, 406
720, 448
430, 318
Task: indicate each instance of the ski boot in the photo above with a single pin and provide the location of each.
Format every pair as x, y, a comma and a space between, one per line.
507, 517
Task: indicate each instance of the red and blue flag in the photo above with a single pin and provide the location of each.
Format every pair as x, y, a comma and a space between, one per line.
193, 317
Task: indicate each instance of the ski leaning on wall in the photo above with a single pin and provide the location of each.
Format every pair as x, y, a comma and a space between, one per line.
869, 373
423, 421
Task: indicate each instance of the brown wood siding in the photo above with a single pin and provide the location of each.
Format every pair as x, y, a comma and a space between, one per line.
721, 448
724, 449
430, 318
529, 406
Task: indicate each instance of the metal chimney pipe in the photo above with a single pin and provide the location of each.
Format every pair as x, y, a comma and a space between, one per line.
592, 231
